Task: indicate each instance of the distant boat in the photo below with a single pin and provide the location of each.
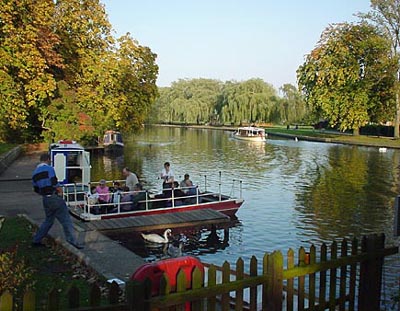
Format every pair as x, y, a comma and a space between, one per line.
112, 142
250, 133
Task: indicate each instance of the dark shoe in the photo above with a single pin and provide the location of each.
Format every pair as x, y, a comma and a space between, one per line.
39, 244
78, 246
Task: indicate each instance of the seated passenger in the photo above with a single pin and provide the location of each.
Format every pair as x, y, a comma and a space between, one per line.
138, 195
92, 196
103, 191
126, 200
116, 193
187, 186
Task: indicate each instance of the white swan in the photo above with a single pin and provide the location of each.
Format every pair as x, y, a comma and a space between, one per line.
155, 238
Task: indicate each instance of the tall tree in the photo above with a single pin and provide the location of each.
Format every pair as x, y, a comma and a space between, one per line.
386, 15
248, 101
292, 107
27, 57
349, 77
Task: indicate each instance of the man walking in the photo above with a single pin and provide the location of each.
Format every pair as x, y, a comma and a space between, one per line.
45, 183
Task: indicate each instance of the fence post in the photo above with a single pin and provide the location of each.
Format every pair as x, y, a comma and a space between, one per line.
6, 301
53, 302
371, 273
135, 295
113, 295
94, 295
275, 281
29, 303
73, 297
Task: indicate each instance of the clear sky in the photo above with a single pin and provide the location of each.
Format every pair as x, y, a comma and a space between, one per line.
229, 39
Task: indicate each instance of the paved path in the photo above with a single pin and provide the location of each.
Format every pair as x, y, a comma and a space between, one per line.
17, 197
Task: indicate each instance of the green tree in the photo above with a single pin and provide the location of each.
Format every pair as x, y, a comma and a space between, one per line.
134, 84
188, 101
385, 14
247, 102
348, 78
27, 57
292, 106
105, 84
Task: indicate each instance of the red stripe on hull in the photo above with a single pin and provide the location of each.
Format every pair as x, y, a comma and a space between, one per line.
229, 208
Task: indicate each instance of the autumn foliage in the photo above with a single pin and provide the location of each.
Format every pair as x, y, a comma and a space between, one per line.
62, 73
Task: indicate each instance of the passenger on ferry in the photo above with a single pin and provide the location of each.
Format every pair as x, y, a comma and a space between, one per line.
167, 174
103, 191
138, 195
116, 192
187, 186
126, 200
131, 178
92, 196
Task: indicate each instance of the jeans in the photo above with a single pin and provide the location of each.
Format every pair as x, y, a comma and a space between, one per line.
55, 207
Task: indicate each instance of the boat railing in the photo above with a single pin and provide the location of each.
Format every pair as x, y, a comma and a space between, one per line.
76, 195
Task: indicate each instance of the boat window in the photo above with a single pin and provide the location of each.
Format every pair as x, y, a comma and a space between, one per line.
72, 159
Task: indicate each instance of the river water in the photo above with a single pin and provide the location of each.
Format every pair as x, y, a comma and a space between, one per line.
297, 193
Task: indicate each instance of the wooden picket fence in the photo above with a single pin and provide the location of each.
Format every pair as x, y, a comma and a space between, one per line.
342, 277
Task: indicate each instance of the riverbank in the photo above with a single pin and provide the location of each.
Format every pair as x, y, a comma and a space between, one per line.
307, 133
99, 251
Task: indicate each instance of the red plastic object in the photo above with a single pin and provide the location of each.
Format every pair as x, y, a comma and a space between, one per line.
171, 267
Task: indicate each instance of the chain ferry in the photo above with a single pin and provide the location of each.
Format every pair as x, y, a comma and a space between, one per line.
72, 166
250, 133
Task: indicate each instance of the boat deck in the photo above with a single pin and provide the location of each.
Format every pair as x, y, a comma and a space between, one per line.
160, 221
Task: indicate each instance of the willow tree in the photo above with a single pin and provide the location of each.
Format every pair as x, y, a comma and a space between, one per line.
349, 77
248, 101
188, 101
292, 106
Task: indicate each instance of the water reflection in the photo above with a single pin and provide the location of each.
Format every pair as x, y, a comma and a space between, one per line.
350, 195
194, 241
296, 193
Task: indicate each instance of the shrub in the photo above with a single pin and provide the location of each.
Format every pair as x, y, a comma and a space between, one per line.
15, 275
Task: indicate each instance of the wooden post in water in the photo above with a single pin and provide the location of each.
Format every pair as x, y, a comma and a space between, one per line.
397, 216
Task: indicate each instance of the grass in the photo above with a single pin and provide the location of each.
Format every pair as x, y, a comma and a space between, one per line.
53, 267
4, 147
338, 137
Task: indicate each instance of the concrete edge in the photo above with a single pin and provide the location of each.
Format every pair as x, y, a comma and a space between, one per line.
80, 256
9, 157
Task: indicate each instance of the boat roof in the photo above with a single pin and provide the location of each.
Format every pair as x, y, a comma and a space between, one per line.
66, 145
251, 128
112, 132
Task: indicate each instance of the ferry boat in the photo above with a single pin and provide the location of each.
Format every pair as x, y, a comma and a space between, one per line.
112, 142
250, 133
72, 166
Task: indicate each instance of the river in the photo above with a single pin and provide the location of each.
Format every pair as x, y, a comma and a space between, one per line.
297, 193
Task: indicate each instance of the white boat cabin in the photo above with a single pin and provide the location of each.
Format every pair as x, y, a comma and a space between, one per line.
71, 162
250, 133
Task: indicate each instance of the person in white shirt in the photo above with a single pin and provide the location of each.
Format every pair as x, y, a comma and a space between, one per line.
167, 174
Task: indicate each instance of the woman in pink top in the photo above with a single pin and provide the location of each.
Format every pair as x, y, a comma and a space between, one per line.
103, 191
